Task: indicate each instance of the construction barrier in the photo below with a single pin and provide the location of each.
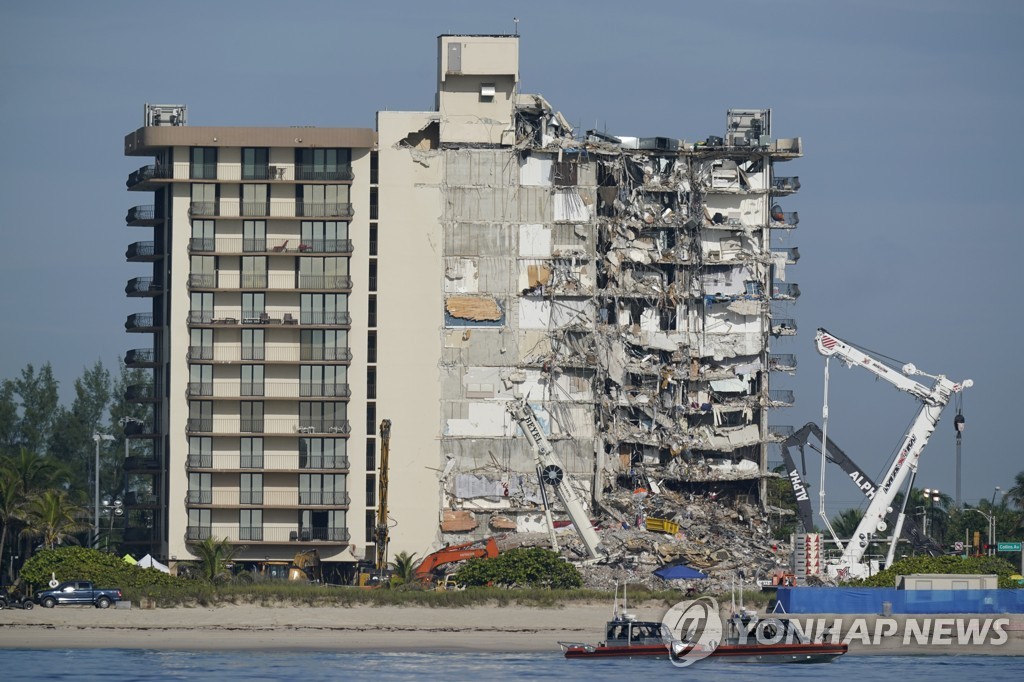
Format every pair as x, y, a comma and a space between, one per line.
869, 600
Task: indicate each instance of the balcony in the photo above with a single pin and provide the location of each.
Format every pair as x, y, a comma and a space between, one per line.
781, 362
202, 281
325, 246
140, 180
140, 357
325, 318
325, 282
285, 499
324, 426
142, 252
203, 209
202, 245
200, 425
141, 322
200, 353
780, 432
785, 291
315, 209
783, 327
233, 208
290, 462
141, 216
320, 173
142, 393
783, 220
139, 465
144, 430
202, 461
268, 534
785, 185
781, 398
199, 497
199, 388
143, 286
200, 317
792, 254
251, 425
321, 353
274, 426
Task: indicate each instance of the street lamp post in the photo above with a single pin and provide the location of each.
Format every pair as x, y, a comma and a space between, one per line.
97, 438
991, 519
931, 496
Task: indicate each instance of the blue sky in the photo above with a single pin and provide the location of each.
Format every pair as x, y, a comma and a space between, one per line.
910, 112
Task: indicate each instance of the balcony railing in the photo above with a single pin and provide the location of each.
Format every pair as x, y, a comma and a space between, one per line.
250, 497
251, 425
206, 280
199, 497
148, 173
202, 244
143, 286
267, 534
784, 220
199, 388
202, 171
254, 244
140, 322
203, 208
781, 397
324, 426
271, 245
201, 461
140, 357
325, 246
785, 290
784, 327
199, 425
254, 353
780, 432
141, 215
200, 353
200, 317
325, 282
140, 499
228, 208
141, 392
234, 497
322, 498
141, 251
324, 391
255, 208
325, 354
310, 172
334, 318
249, 462
319, 209
781, 361
287, 426
785, 184
792, 254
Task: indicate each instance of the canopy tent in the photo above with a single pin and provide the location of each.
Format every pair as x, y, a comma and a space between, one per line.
679, 572
149, 562
129, 559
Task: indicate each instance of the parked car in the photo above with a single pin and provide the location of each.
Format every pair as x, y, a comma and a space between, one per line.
15, 600
78, 592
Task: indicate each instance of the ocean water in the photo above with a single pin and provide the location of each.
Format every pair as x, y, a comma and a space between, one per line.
126, 665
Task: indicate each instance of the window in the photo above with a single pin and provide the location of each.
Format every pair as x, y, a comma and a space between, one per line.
324, 201
373, 274
371, 312
373, 239
324, 344
203, 232
374, 167
250, 489
371, 346
203, 163
253, 307
200, 344
371, 419
200, 380
202, 272
323, 381
250, 525
200, 416
252, 380
323, 273
374, 204
255, 200
326, 524
200, 488
254, 235
254, 272
315, 417
371, 454
371, 383
325, 489
324, 236
254, 163
371, 523
204, 200
253, 345
323, 164
198, 524
322, 453
200, 452
324, 309
371, 491
250, 453
251, 417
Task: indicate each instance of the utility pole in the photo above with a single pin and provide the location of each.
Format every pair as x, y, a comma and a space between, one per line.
958, 425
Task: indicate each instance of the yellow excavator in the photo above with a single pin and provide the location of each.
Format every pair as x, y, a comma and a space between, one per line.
304, 567
381, 536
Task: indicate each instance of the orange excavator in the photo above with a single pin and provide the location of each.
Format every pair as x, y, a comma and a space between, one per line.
480, 549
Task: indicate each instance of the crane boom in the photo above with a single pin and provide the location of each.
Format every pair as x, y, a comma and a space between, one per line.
553, 473
933, 401
380, 531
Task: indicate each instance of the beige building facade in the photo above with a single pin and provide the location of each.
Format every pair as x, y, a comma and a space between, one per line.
308, 283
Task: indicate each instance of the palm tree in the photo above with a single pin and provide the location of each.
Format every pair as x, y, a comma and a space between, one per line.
845, 522
11, 502
214, 557
54, 517
1016, 493
404, 567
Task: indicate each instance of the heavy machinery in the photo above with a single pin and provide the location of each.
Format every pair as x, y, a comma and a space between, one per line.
481, 549
851, 564
864, 483
552, 472
381, 532
304, 567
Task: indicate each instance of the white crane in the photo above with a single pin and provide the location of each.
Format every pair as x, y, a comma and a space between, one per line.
933, 400
553, 473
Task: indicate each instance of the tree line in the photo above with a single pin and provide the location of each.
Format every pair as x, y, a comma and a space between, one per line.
48, 454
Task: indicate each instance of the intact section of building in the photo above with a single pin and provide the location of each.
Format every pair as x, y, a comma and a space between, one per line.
248, 323
630, 288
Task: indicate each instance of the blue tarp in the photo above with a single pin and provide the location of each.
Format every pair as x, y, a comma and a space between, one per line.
869, 600
679, 572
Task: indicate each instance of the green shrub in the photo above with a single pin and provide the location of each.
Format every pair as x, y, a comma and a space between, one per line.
81, 563
533, 567
943, 564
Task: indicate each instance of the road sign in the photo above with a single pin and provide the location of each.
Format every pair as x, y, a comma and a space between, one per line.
958, 546
1008, 547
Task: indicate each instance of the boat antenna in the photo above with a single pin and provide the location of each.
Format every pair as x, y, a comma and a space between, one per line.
615, 602
625, 606
732, 592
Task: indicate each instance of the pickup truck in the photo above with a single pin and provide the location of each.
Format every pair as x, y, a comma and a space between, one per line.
77, 592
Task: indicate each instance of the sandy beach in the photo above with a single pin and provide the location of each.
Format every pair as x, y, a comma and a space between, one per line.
497, 629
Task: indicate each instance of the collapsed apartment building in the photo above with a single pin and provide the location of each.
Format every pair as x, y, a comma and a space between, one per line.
629, 288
